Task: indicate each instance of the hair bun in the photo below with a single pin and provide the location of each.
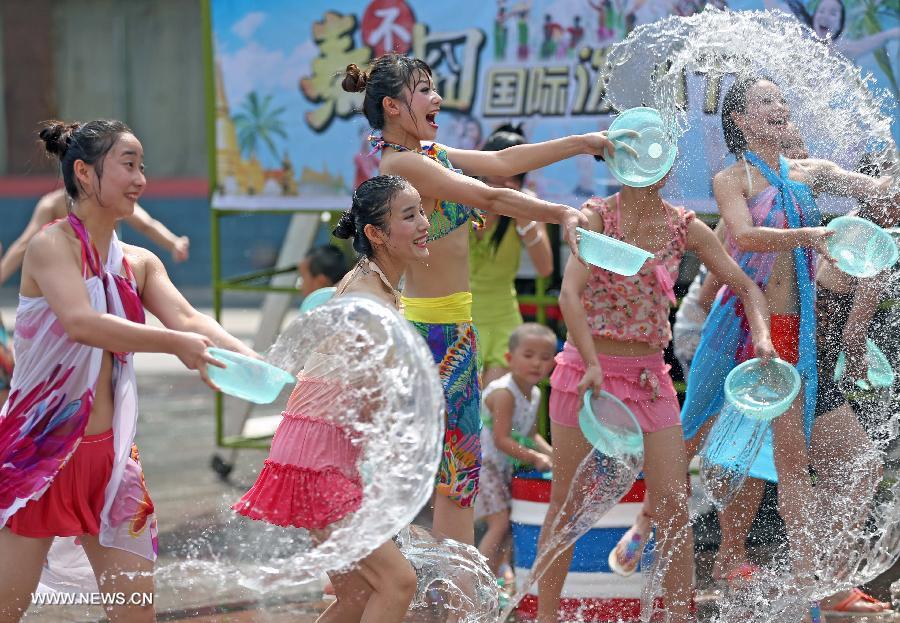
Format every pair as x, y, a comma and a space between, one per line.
57, 136
355, 79
509, 127
346, 227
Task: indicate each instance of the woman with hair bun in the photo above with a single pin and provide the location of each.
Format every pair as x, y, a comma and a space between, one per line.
316, 459
68, 466
401, 105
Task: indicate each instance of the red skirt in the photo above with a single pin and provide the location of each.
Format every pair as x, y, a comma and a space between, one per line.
310, 479
71, 505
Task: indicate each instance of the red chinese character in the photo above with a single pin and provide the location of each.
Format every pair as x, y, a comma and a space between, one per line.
387, 27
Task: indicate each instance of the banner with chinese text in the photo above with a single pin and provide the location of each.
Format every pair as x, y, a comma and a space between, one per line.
288, 136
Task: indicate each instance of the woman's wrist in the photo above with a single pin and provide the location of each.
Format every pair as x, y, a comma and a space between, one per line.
535, 239
530, 226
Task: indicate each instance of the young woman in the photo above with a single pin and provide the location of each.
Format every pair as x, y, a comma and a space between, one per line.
618, 328
316, 459
402, 103
68, 467
773, 223
494, 254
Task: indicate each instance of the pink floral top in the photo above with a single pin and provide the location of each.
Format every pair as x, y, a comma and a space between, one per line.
636, 308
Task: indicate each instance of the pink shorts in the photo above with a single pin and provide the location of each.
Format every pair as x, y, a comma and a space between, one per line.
642, 383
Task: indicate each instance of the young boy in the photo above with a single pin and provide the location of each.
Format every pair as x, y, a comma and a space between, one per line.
509, 410
322, 267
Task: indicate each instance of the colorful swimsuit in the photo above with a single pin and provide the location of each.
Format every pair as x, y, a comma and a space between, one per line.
44, 419
446, 324
726, 340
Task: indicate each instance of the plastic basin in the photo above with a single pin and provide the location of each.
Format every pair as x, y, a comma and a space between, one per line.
762, 391
246, 378
316, 298
610, 426
860, 247
879, 372
655, 147
609, 253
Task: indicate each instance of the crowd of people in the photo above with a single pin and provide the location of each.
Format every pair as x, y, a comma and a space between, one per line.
442, 246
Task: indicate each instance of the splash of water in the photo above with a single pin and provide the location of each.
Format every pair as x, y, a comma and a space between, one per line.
729, 451
650, 68
598, 484
380, 385
453, 580
842, 116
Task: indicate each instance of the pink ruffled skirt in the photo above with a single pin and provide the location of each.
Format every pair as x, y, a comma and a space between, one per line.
310, 479
642, 383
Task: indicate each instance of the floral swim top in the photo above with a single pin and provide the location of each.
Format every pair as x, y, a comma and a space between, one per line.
447, 215
635, 308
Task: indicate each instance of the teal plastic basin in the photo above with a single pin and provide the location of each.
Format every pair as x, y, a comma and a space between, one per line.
656, 149
246, 378
610, 426
762, 391
860, 247
609, 253
879, 373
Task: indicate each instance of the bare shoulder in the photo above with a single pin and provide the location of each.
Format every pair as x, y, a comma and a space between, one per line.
142, 262
398, 163
139, 255
730, 175
501, 398
52, 240
367, 285
54, 246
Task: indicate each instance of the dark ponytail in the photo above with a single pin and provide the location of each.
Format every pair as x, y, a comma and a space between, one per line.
507, 135
735, 101
371, 206
89, 142
388, 75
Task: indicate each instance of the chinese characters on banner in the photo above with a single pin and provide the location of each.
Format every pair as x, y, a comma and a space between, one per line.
535, 62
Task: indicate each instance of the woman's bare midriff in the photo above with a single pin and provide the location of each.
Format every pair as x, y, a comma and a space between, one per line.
781, 291
101, 417
445, 271
620, 348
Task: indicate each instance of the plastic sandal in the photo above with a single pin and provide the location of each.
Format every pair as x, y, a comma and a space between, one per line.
625, 556
842, 608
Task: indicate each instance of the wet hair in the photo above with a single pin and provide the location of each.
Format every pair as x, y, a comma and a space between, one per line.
803, 14
371, 206
507, 135
527, 330
89, 142
735, 101
387, 76
327, 260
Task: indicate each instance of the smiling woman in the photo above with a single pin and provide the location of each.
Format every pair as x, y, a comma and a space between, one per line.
402, 104
68, 466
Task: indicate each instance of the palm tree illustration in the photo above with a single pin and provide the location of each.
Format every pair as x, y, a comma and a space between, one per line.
258, 124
